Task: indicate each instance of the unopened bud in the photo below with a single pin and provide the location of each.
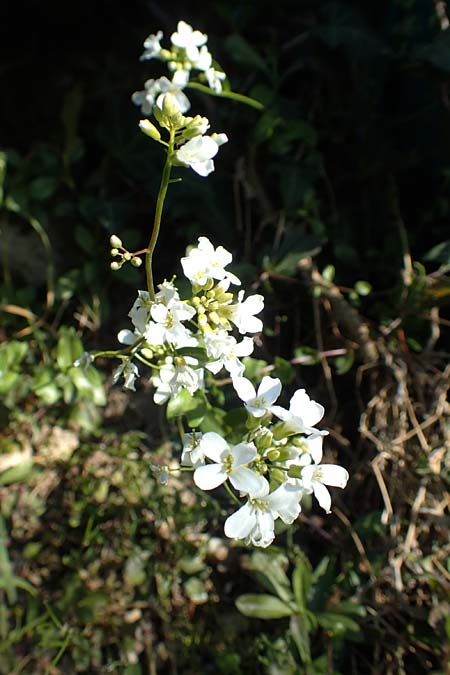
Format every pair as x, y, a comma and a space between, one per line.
214, 318
127, 256
114, 252
295, 471
169, 106
115, 266
149, 129
136, 262
273, 455
278, 476
115, 241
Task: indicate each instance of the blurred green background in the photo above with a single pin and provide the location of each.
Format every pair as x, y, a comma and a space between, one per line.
335, 203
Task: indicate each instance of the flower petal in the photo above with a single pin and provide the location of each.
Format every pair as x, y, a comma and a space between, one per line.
243, 453
333, 474
214, 446
269, 389
244, 388
240, 523
322, 495
246, 480
209, 476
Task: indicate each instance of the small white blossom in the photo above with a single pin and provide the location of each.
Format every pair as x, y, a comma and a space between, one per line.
130, 373
316, 477
243, 313
192, 453
258, 404
152, 46
187, 38
155, 90
229, 464
225, 352
206, 262
204, 60
198, 152
215, 79
255, 521
302, 416
174, 376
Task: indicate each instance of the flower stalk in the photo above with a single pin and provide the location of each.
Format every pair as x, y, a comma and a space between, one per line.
165, 179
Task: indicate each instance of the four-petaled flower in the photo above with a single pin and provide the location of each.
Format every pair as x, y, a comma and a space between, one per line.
229, 464
255, 521
302, 416
258, 403
316, 476
189, 39
199, 151
206, 262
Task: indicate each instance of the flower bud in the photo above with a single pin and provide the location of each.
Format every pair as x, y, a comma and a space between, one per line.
295, 471
115, 241
277, 476
214, 318
169, 106
149, 129
147, 353
114, 252
273, 455
127, 256
136, 262
115, 266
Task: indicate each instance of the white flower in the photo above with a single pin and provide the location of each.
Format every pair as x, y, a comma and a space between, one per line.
166, 326
192, 454
129, 371
155, 90
315, 477
188, 39
255, 521
139, 313
225, 350
229, 463
166, 316
215, 79
302, 416
258, 404
204, 60
243, 313
152, 46
199, 151
206, 262
173, 377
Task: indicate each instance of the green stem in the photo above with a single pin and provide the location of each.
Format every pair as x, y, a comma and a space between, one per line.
158, 213
227, 94
231, 493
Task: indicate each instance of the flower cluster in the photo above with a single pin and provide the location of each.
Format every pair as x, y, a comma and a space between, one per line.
179, 338
273, 466
266, 456
187, 56
274, 463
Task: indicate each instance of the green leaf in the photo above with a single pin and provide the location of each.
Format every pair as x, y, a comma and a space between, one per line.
345, 362
42, 188
18, 473
300, 634
68, 349
301, 582
283, 370
270, 571
263, 606
439, 253
244, 53
194, 407
337, 624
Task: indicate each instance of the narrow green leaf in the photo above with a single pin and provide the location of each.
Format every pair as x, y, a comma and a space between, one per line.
263, 606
